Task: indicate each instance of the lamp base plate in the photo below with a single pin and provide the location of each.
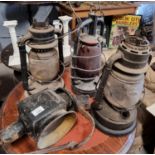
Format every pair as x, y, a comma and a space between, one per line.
113, 122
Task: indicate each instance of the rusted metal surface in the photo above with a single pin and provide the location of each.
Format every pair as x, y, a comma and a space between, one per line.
36, 85
44, 66
12, 133
44, 116
124, 91
88, 65
85, 87
88, 57
115, 122
99, 143
121, 87
43, 57
45, 60
136, 54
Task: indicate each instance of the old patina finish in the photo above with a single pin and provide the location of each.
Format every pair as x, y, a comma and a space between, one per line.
121, 87
45, 116
45, 58
86, 59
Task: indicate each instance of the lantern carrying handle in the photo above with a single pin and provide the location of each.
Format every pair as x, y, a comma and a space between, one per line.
23, 63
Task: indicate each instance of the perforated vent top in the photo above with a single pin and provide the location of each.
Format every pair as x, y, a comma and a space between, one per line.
136, 45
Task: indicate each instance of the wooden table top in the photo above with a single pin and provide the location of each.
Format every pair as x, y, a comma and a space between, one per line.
103, 6
99, 143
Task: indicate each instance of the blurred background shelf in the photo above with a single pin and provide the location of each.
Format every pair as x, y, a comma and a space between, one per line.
106, 8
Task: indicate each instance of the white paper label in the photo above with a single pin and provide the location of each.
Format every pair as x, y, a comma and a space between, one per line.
37, 111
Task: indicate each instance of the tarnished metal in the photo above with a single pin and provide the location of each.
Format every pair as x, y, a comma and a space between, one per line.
87, 69
44, 56
36, 85
123, 91
112, 121
88, 66
44, 66
12, 132
86, 59
121, 87
45, 115
136, 52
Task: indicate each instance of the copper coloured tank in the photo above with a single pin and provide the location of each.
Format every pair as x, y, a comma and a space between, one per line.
89, 56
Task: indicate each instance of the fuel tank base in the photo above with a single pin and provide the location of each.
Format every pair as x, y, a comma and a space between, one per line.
85, 87
114, 122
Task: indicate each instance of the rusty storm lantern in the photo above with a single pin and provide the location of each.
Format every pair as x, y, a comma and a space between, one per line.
121, 86
44, 63
86, 59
